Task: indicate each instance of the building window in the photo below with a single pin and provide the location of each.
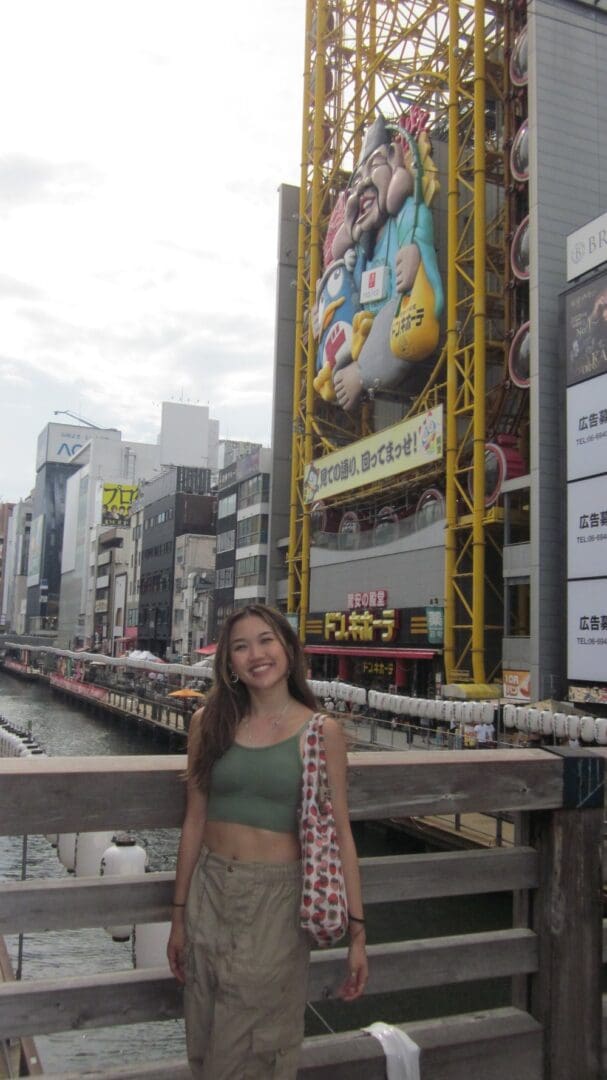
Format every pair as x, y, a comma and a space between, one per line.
225, 540
516, 608
226, 506
254, 490
516, 517
251, 571
225, 578
253, 530
222, 613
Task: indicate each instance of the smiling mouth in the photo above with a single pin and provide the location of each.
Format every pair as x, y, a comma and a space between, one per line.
366, 202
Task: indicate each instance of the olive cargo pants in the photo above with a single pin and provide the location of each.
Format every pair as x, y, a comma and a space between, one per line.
246, 970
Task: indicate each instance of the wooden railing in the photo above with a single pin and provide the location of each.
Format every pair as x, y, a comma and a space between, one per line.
553, 951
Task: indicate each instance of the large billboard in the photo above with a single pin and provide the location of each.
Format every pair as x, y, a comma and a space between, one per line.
116, 503
587, 428
587, 630
398, 449
587, 528
585, 309
584, 312
587, 247
58, 443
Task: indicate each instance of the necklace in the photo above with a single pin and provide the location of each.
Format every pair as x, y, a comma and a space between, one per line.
275, 721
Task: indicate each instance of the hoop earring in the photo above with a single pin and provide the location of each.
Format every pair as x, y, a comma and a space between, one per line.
233, 678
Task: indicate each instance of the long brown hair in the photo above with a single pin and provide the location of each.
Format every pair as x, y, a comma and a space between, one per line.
228, 701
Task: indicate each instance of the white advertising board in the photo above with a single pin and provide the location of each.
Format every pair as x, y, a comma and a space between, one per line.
587, 428
587, 247
587, 630
59, 443
587, 528
35, 551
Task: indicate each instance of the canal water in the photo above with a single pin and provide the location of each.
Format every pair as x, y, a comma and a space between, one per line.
64, 729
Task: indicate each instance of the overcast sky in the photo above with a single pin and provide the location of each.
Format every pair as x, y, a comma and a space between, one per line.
142, 143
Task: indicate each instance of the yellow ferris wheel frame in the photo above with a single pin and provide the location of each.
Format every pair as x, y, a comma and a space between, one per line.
442, 55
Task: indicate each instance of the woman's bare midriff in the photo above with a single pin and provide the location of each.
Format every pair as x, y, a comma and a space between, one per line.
246, 844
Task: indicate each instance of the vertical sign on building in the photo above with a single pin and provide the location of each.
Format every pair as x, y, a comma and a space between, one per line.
585, 325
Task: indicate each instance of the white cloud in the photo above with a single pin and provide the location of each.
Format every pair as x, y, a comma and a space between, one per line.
138, 184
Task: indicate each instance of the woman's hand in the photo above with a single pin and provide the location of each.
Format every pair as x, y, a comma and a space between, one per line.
176, 950
354, 984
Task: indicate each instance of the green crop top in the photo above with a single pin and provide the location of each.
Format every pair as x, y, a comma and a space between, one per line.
258, 785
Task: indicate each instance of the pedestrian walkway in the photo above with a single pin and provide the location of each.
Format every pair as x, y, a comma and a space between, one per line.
381, 735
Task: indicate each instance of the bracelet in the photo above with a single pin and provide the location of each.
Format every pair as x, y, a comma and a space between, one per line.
353, 918
173, 904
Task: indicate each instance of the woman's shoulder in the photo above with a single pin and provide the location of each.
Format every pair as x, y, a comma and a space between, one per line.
332, 729
195, 725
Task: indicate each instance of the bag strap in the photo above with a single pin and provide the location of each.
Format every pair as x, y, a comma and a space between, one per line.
319, 756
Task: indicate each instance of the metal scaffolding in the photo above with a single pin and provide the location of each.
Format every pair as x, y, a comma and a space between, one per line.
447, 57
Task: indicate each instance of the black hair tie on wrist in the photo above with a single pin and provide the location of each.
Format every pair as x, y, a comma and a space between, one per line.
353, 918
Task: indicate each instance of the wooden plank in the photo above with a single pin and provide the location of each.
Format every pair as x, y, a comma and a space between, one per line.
69, 794
521, 913
501, 1044
90, 794
24, 1051
436, 961
450, 873
78, 1004
44, 1005
63, 794
392, 784
567, 915
73, 903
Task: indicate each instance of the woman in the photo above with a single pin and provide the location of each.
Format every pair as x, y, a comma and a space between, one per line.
235, 938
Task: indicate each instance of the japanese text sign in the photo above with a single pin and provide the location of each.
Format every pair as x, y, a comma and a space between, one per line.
407, 445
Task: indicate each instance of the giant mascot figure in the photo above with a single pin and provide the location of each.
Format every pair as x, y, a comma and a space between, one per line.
379, 302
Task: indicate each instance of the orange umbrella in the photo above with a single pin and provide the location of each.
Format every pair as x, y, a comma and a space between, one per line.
186, 693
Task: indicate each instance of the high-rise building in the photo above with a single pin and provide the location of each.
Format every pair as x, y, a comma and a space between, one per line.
188, 436
107, 473
243, 507
7, 558
193, 592
175, 503
427, 540
58, 448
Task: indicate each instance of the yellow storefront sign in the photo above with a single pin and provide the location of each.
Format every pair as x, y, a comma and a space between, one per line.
404, 446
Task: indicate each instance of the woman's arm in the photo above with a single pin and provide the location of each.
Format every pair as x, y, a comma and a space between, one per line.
337, 765
190, 843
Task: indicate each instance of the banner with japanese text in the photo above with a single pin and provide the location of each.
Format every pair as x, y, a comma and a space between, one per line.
117, 500
407, 445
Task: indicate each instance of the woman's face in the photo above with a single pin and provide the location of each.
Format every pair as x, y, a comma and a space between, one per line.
256, 654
